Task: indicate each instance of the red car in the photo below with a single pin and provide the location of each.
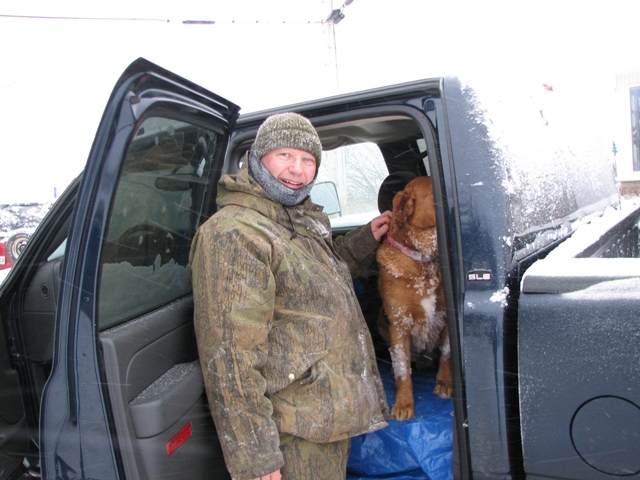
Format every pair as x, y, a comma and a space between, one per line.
11, 246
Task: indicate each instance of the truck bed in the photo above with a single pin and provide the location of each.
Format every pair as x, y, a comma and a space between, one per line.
605, 249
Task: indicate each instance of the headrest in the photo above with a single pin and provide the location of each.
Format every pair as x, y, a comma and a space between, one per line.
391, 185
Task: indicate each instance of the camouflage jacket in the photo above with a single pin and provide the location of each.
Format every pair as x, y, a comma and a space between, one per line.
283, 344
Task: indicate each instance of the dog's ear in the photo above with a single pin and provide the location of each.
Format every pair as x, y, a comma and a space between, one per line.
403, 205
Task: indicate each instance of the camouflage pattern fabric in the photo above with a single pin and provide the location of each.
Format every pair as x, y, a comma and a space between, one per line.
314, 461
283, 344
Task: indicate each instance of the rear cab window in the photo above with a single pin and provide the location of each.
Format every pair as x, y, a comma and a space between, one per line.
365, 162
348, 183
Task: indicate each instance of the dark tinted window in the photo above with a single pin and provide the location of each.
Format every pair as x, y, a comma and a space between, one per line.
153, 219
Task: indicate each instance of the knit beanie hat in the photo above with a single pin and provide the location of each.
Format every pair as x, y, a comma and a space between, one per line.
288, 130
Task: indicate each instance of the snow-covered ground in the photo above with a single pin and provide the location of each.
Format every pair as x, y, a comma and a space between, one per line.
21, 215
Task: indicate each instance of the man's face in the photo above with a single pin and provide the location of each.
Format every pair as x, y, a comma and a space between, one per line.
293, 168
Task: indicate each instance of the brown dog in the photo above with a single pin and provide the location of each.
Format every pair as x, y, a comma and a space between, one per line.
412, 294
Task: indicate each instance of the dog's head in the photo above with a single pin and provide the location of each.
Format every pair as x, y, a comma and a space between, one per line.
414, 207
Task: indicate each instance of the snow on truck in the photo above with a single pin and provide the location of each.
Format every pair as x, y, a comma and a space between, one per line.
100, 373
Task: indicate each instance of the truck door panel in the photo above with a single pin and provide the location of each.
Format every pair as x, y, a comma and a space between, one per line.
158, 396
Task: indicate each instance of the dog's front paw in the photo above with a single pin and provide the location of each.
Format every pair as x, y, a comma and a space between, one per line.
403, 410
443, 389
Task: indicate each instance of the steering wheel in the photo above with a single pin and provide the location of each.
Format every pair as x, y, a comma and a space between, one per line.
141, 244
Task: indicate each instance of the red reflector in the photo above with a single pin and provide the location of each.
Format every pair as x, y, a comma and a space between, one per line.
179, 438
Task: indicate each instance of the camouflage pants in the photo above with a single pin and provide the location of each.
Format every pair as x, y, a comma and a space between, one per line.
304, 460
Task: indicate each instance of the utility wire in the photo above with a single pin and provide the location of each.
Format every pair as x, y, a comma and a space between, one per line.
185, 22
42, 17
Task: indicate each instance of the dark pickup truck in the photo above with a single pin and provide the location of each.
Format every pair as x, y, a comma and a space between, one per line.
98, 364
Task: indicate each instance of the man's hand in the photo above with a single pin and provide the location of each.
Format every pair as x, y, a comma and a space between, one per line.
380, 225
272, 476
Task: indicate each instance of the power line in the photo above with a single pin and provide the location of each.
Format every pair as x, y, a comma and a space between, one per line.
335, 17
43, 17
250, 22
184, 22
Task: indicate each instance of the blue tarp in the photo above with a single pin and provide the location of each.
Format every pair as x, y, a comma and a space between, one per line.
416, 449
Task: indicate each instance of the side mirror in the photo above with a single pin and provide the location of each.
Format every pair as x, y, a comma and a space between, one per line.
326, 194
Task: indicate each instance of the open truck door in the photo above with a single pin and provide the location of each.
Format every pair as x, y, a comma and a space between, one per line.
100, 311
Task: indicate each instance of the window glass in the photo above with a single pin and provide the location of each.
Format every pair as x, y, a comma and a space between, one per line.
58, 252
348, 183
153, 219
549, 148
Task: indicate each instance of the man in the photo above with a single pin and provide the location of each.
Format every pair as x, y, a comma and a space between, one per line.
287, 358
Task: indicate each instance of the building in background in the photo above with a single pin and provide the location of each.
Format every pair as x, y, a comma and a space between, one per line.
626, 145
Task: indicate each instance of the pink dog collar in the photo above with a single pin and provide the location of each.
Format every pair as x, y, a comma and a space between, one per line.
409, 252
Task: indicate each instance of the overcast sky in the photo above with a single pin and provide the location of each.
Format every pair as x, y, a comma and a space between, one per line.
57, 71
